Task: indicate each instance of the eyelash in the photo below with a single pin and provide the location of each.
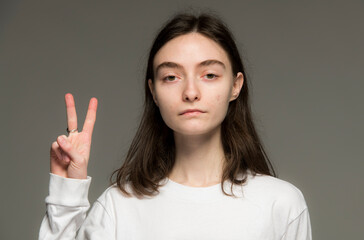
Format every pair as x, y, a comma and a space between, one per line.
165, 79
214, 75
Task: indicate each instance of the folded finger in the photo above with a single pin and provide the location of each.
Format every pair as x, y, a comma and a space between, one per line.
67, 148
59, 153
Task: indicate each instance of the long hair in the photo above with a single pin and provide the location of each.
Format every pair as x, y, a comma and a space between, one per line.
151, 155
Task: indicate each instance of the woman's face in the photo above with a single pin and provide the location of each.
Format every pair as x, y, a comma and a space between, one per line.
193, 84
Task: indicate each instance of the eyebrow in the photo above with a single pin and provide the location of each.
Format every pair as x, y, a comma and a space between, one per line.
178, 66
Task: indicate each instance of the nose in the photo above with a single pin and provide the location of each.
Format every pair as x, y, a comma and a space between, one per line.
191, 91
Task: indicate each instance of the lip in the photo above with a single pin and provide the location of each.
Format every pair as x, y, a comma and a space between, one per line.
191, 112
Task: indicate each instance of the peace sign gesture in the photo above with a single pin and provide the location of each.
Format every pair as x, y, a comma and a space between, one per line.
70, 154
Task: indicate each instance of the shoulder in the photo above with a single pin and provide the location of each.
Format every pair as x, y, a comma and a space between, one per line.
112, 203
113, 193
274, 187
279, 202
276, 193
114, 197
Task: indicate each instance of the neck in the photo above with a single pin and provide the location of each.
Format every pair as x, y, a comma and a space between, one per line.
199, 159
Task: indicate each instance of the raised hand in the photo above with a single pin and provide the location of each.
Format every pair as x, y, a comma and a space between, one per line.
70, 154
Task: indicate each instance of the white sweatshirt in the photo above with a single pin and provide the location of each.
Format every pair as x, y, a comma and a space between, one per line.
266, 208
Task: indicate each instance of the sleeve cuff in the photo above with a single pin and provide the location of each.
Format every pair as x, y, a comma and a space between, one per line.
68, 191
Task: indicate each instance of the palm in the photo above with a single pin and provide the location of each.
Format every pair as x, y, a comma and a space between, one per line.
71, 160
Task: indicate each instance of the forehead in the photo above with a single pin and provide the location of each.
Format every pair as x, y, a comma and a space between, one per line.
190, 49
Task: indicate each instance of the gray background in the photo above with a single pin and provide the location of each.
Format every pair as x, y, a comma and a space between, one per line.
305, 60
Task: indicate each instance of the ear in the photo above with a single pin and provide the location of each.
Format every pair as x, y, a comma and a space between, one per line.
237, 85
151, 88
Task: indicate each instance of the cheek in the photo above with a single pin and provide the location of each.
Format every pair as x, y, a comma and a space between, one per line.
222, 98
167, 107
221, 104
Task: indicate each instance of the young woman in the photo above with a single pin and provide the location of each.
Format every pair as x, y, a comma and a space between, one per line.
196, 168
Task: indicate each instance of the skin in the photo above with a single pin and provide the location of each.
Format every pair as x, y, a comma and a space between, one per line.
191, 86
69, 155
209, 88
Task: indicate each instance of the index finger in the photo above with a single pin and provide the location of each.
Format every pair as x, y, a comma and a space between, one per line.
88, 126
71, 112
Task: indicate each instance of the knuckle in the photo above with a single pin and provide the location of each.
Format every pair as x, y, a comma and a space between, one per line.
82, 162
67, 147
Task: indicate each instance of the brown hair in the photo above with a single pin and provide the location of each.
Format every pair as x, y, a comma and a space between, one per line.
151, 155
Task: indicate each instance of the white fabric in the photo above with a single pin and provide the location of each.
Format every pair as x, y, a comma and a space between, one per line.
265, 208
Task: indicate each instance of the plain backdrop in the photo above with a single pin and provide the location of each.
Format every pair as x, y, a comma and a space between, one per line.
305, 63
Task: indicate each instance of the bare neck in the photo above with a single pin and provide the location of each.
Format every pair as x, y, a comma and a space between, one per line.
199, 159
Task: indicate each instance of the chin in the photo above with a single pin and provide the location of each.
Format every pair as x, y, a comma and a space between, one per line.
194, 130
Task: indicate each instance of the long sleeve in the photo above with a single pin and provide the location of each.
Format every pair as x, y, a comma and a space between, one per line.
67, 205
299, 228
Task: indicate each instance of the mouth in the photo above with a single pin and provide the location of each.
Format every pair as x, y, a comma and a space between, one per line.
191, 112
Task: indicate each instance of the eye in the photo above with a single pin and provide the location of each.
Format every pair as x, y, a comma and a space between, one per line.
211, 76
169, 78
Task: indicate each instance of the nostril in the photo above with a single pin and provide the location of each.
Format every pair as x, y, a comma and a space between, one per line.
190, 95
